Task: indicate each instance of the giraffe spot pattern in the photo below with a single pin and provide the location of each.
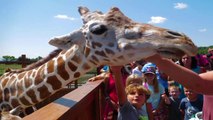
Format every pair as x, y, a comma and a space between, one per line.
86, 51
77, 74
50, 66
4, 82
32, 95
1, 99
105, 59
93, 62
108, 51
72, 66
100, 53
86, 66
24, 101
34, 73
76, 58
40, 76
96, 44
20, 88
53, 80
61, 69
128, 47
13, 90
21, 75
44, 93
14, 102
6, 94
28, 82
121, 57
95, 58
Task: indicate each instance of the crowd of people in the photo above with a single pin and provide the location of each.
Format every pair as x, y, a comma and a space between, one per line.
159, 89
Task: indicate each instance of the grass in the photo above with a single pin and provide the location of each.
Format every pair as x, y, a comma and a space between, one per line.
3, 67
81, 80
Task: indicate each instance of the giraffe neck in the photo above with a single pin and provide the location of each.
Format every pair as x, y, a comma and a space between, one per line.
30, 87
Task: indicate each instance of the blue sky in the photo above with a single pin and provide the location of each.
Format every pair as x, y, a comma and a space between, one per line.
27, 25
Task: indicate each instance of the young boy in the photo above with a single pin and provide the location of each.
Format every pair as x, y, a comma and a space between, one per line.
191, 104
173, 102
131, 99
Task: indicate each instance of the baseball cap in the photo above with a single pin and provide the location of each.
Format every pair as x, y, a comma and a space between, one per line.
149, 64
149, 70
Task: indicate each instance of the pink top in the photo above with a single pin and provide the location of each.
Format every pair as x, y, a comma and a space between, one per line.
207, 107
111, 89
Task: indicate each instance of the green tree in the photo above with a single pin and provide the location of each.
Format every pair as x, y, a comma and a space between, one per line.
9, 58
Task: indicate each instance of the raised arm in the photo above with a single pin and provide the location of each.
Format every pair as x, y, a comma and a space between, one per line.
201, 83
122, 97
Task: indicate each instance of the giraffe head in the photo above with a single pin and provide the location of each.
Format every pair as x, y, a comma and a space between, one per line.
113, 39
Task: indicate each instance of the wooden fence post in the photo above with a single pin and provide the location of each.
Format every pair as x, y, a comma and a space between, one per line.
23, 61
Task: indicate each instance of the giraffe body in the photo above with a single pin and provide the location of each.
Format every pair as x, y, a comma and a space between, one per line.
110, 38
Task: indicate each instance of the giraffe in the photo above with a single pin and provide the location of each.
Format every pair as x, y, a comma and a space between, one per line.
110, 38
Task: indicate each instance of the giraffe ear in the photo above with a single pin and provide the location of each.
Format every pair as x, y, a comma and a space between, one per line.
83, 10
115, 10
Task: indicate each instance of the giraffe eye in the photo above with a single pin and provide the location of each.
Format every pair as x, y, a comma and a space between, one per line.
98, 29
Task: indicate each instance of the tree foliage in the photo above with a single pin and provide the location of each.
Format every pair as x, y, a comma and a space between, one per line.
203, 50
9, 58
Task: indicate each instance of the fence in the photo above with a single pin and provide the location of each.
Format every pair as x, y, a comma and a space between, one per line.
85, 103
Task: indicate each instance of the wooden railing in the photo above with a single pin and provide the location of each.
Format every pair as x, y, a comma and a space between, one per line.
83, 103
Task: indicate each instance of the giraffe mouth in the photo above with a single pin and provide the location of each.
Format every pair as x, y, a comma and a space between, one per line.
171, 52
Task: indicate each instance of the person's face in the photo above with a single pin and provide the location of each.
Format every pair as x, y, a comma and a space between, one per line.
174, 92
136, 99
191, 95
186, 60
149, 77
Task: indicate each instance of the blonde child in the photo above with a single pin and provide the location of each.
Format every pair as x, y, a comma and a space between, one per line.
131, 98
147, 107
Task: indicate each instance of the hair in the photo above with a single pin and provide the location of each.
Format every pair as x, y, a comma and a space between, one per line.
193, 62
139, 88
132, 77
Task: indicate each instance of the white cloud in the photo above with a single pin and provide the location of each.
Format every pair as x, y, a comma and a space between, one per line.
180, 6
65, 17
157, 19
202, 30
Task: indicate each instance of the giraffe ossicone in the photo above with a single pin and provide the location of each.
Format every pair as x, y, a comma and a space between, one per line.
110, 38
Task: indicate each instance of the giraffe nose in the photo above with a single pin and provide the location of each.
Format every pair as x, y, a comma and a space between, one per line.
173, 35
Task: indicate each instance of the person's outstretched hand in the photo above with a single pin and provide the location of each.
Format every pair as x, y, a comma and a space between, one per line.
102, 76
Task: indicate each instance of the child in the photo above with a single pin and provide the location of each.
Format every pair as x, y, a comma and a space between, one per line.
173, 102
156, 91
191, 104
146, 108
131, 99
